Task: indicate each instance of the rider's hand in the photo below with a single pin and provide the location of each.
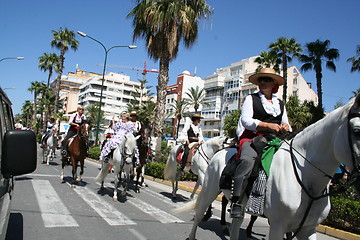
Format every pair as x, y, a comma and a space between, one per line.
274, 127
284, 127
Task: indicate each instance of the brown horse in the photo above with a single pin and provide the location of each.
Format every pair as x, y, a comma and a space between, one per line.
143, 144
77, 149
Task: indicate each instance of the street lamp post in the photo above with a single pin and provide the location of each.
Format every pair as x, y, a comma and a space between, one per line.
103, 77
18, 58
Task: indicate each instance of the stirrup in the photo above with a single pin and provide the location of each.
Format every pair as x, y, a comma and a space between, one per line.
237, 210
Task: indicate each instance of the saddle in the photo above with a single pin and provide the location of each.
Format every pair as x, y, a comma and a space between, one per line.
179, 153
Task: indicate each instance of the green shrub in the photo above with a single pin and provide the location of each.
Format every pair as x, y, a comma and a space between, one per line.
155, 169
94, 152
344, 214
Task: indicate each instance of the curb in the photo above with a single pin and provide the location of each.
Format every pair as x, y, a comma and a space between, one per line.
333, 232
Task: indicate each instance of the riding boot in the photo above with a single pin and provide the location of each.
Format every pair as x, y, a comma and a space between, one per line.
228, 173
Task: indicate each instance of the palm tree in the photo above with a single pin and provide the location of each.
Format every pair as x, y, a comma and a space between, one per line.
268, 59
48, 63
355, 61
196, 97
92, 113
299, 114
355, 93
180, 106
62, 40
47, 103
163, 24
36, 87
27, 111
284, 47
317, 53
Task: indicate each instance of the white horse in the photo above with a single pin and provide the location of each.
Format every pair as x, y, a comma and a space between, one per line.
50, 146
199, 164
296, 191
122, 163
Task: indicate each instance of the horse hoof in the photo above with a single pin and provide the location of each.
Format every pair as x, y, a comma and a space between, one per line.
73, 186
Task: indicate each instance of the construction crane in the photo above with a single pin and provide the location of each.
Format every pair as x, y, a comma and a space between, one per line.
144, 72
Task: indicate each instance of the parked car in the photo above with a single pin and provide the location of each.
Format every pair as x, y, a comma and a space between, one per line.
17, 156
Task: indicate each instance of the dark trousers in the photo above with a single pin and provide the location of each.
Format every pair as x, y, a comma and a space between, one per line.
70, 134
243, 170
185, 156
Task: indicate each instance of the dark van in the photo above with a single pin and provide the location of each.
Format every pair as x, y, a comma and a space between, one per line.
17, 156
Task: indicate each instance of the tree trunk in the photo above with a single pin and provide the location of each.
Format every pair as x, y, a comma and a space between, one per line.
58, 81
319, 87
285, 77
163, 80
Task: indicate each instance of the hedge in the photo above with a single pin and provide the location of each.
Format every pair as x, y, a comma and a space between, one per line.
344, 214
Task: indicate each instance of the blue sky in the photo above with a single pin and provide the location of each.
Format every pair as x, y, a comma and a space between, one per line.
237, 30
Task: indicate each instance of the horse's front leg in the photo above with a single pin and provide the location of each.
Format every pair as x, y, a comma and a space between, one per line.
116, 183
74, 171
63, 160
79, 179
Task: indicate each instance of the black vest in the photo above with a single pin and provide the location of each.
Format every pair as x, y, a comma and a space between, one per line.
192, 136
261, 114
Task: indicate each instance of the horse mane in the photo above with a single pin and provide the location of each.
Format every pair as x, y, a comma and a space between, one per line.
214, 141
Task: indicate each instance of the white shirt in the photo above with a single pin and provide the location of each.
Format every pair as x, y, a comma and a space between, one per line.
246, 120
77, 118
183, 137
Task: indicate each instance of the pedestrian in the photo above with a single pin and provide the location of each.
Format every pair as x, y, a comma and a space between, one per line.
76, 119
262, 114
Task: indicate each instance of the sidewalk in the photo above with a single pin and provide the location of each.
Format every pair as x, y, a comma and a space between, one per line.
189, 186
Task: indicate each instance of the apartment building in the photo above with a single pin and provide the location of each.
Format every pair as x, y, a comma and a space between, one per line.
227, 88
184, 82
118, 91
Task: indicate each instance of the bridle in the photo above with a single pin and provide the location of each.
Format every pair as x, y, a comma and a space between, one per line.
352, 177
202, 153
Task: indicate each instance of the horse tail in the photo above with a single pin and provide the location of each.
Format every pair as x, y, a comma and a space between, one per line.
171, 165
186, 207
103, 173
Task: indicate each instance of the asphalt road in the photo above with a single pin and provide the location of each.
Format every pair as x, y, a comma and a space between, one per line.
44, 207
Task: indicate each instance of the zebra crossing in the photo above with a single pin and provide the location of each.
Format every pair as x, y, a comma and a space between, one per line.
55, 213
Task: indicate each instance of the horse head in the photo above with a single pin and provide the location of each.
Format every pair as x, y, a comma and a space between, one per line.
129, 147
84, 129
145, 132
354, 140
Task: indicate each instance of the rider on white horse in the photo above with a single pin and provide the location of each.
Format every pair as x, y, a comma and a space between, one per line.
262, 113
189, 134
121, 128
50, 124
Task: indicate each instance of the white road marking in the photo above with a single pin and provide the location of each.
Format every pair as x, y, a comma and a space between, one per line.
53, 211
157, 213
108, 212
137, 234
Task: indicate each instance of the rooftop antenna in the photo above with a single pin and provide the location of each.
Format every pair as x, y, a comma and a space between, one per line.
195, 71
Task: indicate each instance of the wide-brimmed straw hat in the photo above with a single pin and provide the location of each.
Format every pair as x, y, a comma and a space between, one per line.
196, 115
133, 113
266, 72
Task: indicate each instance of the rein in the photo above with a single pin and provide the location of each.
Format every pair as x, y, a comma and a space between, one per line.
351, 178
203, 154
